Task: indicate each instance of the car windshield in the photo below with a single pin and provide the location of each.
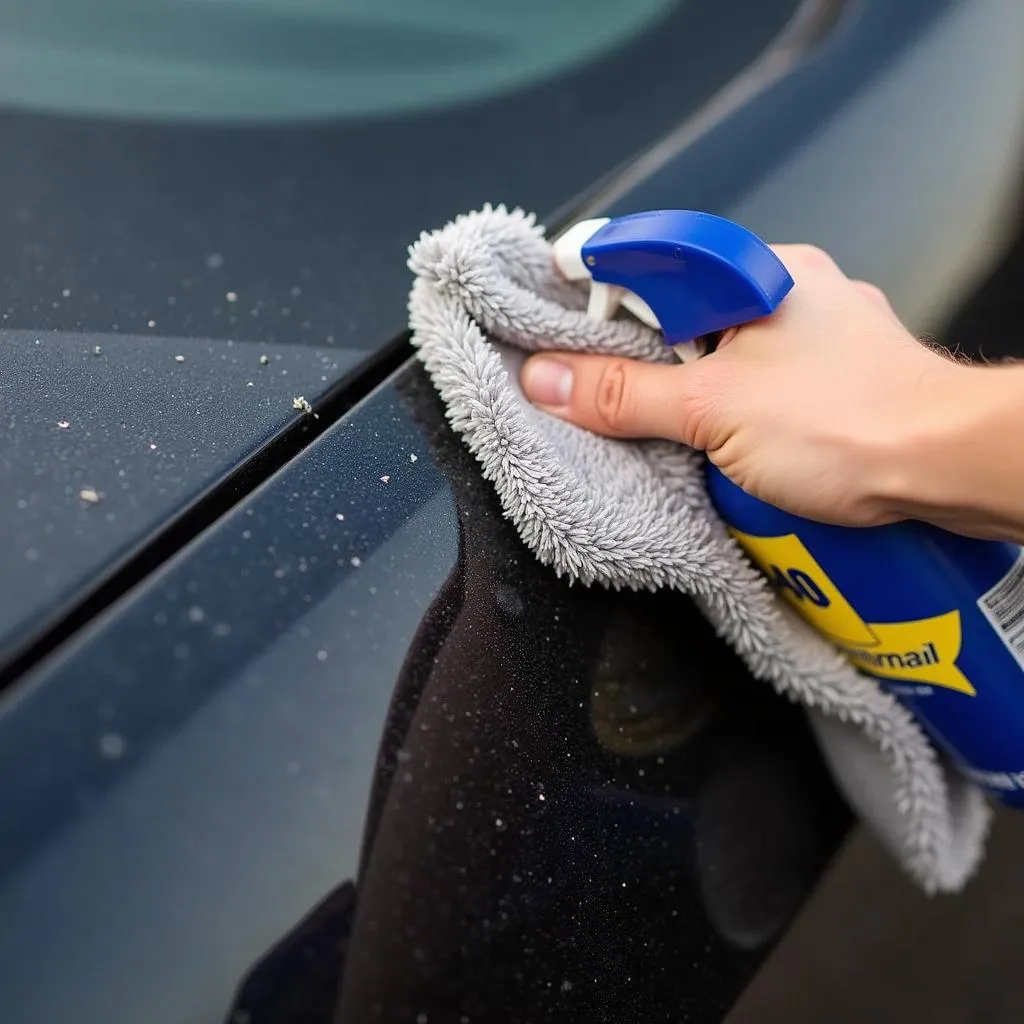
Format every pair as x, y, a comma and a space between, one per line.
254, 170
249, 60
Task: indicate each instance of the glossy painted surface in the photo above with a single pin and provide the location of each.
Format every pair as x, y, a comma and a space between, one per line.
266, 725
107, 436
217, 739
878, 149
560, 767
288, 235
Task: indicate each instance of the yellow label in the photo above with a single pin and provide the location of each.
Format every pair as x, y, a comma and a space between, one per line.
919, 651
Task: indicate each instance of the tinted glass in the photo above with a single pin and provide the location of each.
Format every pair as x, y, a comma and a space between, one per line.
253, 60
292, 230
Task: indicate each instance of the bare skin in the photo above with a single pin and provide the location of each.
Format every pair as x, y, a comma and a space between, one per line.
829, 408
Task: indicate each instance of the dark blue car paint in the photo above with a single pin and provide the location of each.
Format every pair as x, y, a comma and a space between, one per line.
286, 236
141, 425
553, 771
189, 776
859, 43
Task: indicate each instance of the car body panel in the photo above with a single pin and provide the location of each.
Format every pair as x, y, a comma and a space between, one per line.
262, 235
919, 144
946, 183
109, 436
195, 771
188, 778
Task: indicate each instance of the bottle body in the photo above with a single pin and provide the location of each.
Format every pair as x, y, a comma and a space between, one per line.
936, 618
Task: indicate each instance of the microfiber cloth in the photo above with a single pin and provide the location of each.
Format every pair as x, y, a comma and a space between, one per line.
635, 514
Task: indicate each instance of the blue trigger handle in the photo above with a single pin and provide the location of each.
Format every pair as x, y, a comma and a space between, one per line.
699, 274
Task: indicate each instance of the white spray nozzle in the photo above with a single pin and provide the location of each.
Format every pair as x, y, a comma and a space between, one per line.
568, 248
605, 299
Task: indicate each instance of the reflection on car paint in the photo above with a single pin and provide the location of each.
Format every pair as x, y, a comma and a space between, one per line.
642, 702
198, 770
503, 834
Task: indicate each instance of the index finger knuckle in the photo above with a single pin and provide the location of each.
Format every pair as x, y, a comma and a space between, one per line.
808, 259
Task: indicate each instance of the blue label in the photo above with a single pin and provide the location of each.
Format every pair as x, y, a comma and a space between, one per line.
938, 619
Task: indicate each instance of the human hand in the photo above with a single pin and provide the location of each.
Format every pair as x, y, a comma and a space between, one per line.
818, 409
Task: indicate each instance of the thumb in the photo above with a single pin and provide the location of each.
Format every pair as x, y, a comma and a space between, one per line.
610, 395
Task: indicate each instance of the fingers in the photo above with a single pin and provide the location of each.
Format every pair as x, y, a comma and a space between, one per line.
803, 261
813, 267
876, 295
872, 292
608, 395
806, 261
624, 398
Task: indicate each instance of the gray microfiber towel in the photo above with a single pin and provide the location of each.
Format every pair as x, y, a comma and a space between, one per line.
635, 514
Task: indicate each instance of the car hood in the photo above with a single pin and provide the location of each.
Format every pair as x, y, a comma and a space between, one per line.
108, 437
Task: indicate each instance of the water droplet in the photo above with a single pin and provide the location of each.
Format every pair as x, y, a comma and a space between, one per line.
215, 261
196, 614
111, 745
321, 655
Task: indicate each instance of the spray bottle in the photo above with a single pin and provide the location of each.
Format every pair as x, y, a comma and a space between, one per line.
936, 618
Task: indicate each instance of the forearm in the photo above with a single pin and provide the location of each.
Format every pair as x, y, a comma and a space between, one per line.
964, 470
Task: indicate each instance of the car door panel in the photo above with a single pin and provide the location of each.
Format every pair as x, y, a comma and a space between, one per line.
351, 753
558, 765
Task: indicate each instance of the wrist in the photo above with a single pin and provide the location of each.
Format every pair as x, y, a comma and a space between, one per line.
946, 467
